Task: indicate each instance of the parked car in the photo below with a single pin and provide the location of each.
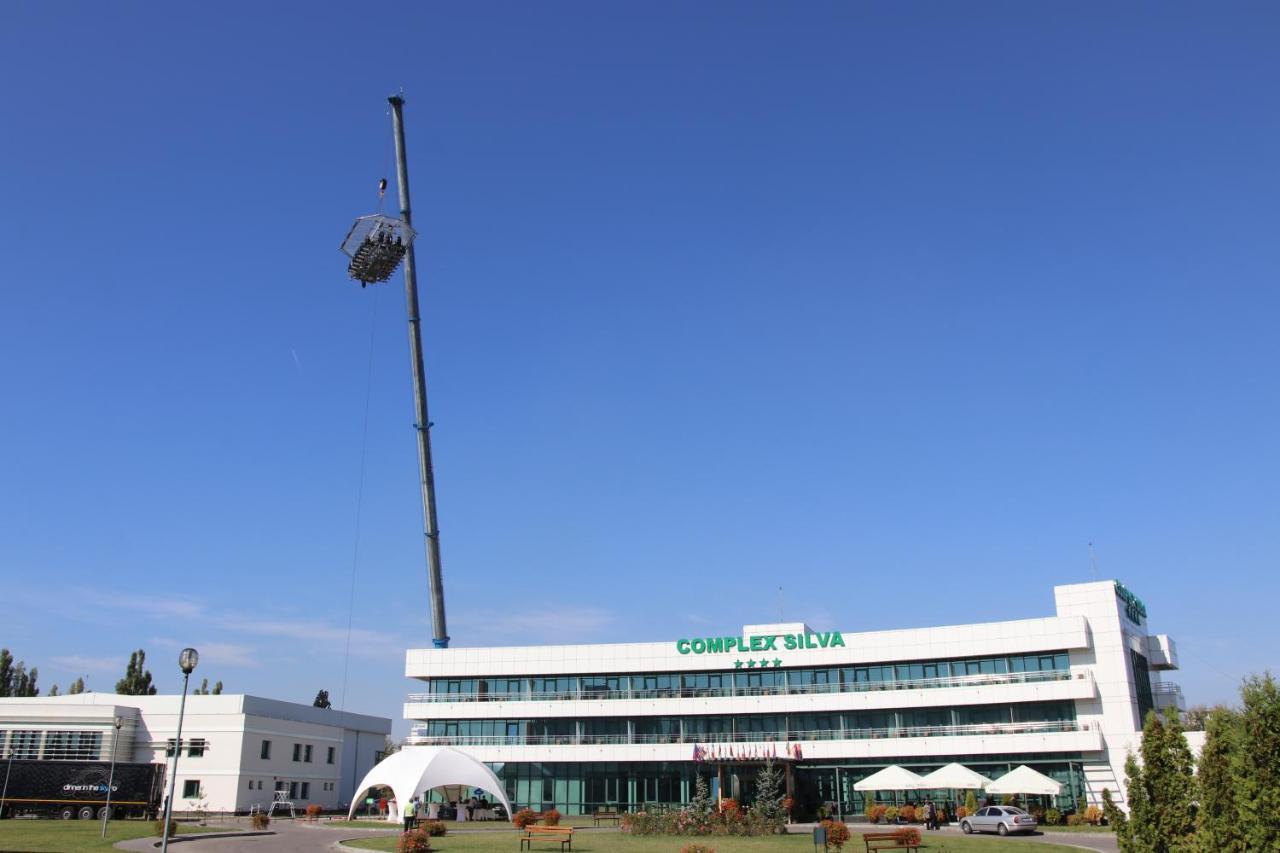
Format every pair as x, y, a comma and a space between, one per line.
1001, 819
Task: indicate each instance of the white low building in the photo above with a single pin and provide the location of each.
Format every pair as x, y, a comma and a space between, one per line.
582, 727
237, 750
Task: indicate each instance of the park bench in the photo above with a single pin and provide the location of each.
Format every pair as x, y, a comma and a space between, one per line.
562, 835
899, 840
606, 814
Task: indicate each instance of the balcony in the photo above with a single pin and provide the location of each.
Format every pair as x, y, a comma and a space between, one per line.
985, 680
417, 738
1162, 652
1168, 695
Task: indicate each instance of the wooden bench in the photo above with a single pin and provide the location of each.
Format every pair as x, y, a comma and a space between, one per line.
562, 835
888, 841
606, 814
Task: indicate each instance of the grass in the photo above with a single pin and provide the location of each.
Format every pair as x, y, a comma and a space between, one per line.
57, 836
608, 842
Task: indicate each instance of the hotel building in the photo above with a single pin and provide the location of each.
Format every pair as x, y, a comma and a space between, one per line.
585, 726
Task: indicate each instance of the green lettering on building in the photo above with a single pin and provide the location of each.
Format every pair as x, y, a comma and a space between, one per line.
759, 643
1133, 606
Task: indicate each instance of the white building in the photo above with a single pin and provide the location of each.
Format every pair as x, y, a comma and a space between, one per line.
583, 726
236, 749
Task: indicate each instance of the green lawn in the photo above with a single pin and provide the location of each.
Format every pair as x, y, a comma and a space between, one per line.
608, 842
57, 836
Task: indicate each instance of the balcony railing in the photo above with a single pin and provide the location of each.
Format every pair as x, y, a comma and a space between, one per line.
984, 680
416, 737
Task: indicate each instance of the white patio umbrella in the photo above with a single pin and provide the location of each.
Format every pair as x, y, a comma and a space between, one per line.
954, 776
1024, 780
892, 778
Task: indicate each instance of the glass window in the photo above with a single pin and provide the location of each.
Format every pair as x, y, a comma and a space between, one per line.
297, 752
306, 755
191, 789
169, 747
329, 756
266, 750
196, 747
306, 790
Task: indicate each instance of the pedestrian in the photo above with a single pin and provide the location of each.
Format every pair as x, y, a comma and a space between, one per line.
928, 815
409, 810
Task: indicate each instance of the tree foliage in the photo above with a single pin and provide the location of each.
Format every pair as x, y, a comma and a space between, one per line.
203, 689
769, 794
137, 679
1256, 770
700, 805
14, 678
1217, 824
76, 687
322, 700
1161, 792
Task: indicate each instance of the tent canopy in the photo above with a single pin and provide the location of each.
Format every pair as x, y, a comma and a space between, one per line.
1024, 780
416, 769
892, 778
954, 776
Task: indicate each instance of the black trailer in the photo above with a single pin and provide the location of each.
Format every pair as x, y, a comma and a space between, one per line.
78, 789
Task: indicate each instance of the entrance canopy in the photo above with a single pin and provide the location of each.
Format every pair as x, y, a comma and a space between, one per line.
955, 776
1024, 780
892, 778
416, 769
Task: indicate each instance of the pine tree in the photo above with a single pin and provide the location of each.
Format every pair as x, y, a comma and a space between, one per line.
137, 679
1217, 822
1161, 792
1257, 768
768, 804
701, 802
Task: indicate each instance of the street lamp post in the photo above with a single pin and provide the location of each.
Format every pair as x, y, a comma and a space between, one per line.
111, 779
187, 661
5, 793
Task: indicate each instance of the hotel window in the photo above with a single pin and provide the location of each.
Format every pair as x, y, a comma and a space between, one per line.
250, 784
306, 756
293, 790
329, 756
306, 790
297, 752
169, 747
190, 789
24, 744
196, 747
266, 750
259, 784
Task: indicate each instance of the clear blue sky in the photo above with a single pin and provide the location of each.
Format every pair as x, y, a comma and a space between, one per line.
896, 306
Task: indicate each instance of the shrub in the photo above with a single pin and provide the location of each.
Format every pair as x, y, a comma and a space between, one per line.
910, 837
1093, 815
970, 802
962, 812
551, 818
878, 813
891, 814
313, 811
416, 841
907, 813
1052, 817
837, 833
158, 827
523, 818
788, 804
697, 848
433, 828
729, 805
1075, 820
260, 821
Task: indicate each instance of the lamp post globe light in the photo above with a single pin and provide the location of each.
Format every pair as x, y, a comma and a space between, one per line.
187, 662
111, 778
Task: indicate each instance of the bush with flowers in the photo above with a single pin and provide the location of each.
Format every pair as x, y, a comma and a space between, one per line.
907, 814
551, 817
416, 841
697, 848
837, 833
523, 818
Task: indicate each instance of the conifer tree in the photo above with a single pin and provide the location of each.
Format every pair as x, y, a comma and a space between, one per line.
1217, 822
76, 687
1257, 768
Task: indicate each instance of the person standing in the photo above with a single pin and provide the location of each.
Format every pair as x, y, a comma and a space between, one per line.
410, 809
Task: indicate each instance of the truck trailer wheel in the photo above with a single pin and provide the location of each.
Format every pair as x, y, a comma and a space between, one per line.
85, 813
66, 813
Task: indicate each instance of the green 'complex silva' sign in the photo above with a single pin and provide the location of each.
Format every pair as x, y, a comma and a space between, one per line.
1133, 606
759, 643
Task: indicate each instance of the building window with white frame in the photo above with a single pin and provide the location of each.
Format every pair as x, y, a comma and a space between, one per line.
266, 750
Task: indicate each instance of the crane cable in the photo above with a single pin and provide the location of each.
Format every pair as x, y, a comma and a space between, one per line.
355, 553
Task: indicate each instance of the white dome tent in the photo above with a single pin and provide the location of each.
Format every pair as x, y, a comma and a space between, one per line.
416, 769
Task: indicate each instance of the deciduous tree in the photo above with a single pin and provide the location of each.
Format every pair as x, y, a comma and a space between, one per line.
137, 679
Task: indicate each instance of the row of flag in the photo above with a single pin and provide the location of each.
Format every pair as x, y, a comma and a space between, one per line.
745, 752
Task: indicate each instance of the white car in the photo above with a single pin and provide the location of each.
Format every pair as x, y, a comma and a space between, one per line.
1001, 819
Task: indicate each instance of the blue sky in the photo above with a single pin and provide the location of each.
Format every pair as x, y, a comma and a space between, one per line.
895, 306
